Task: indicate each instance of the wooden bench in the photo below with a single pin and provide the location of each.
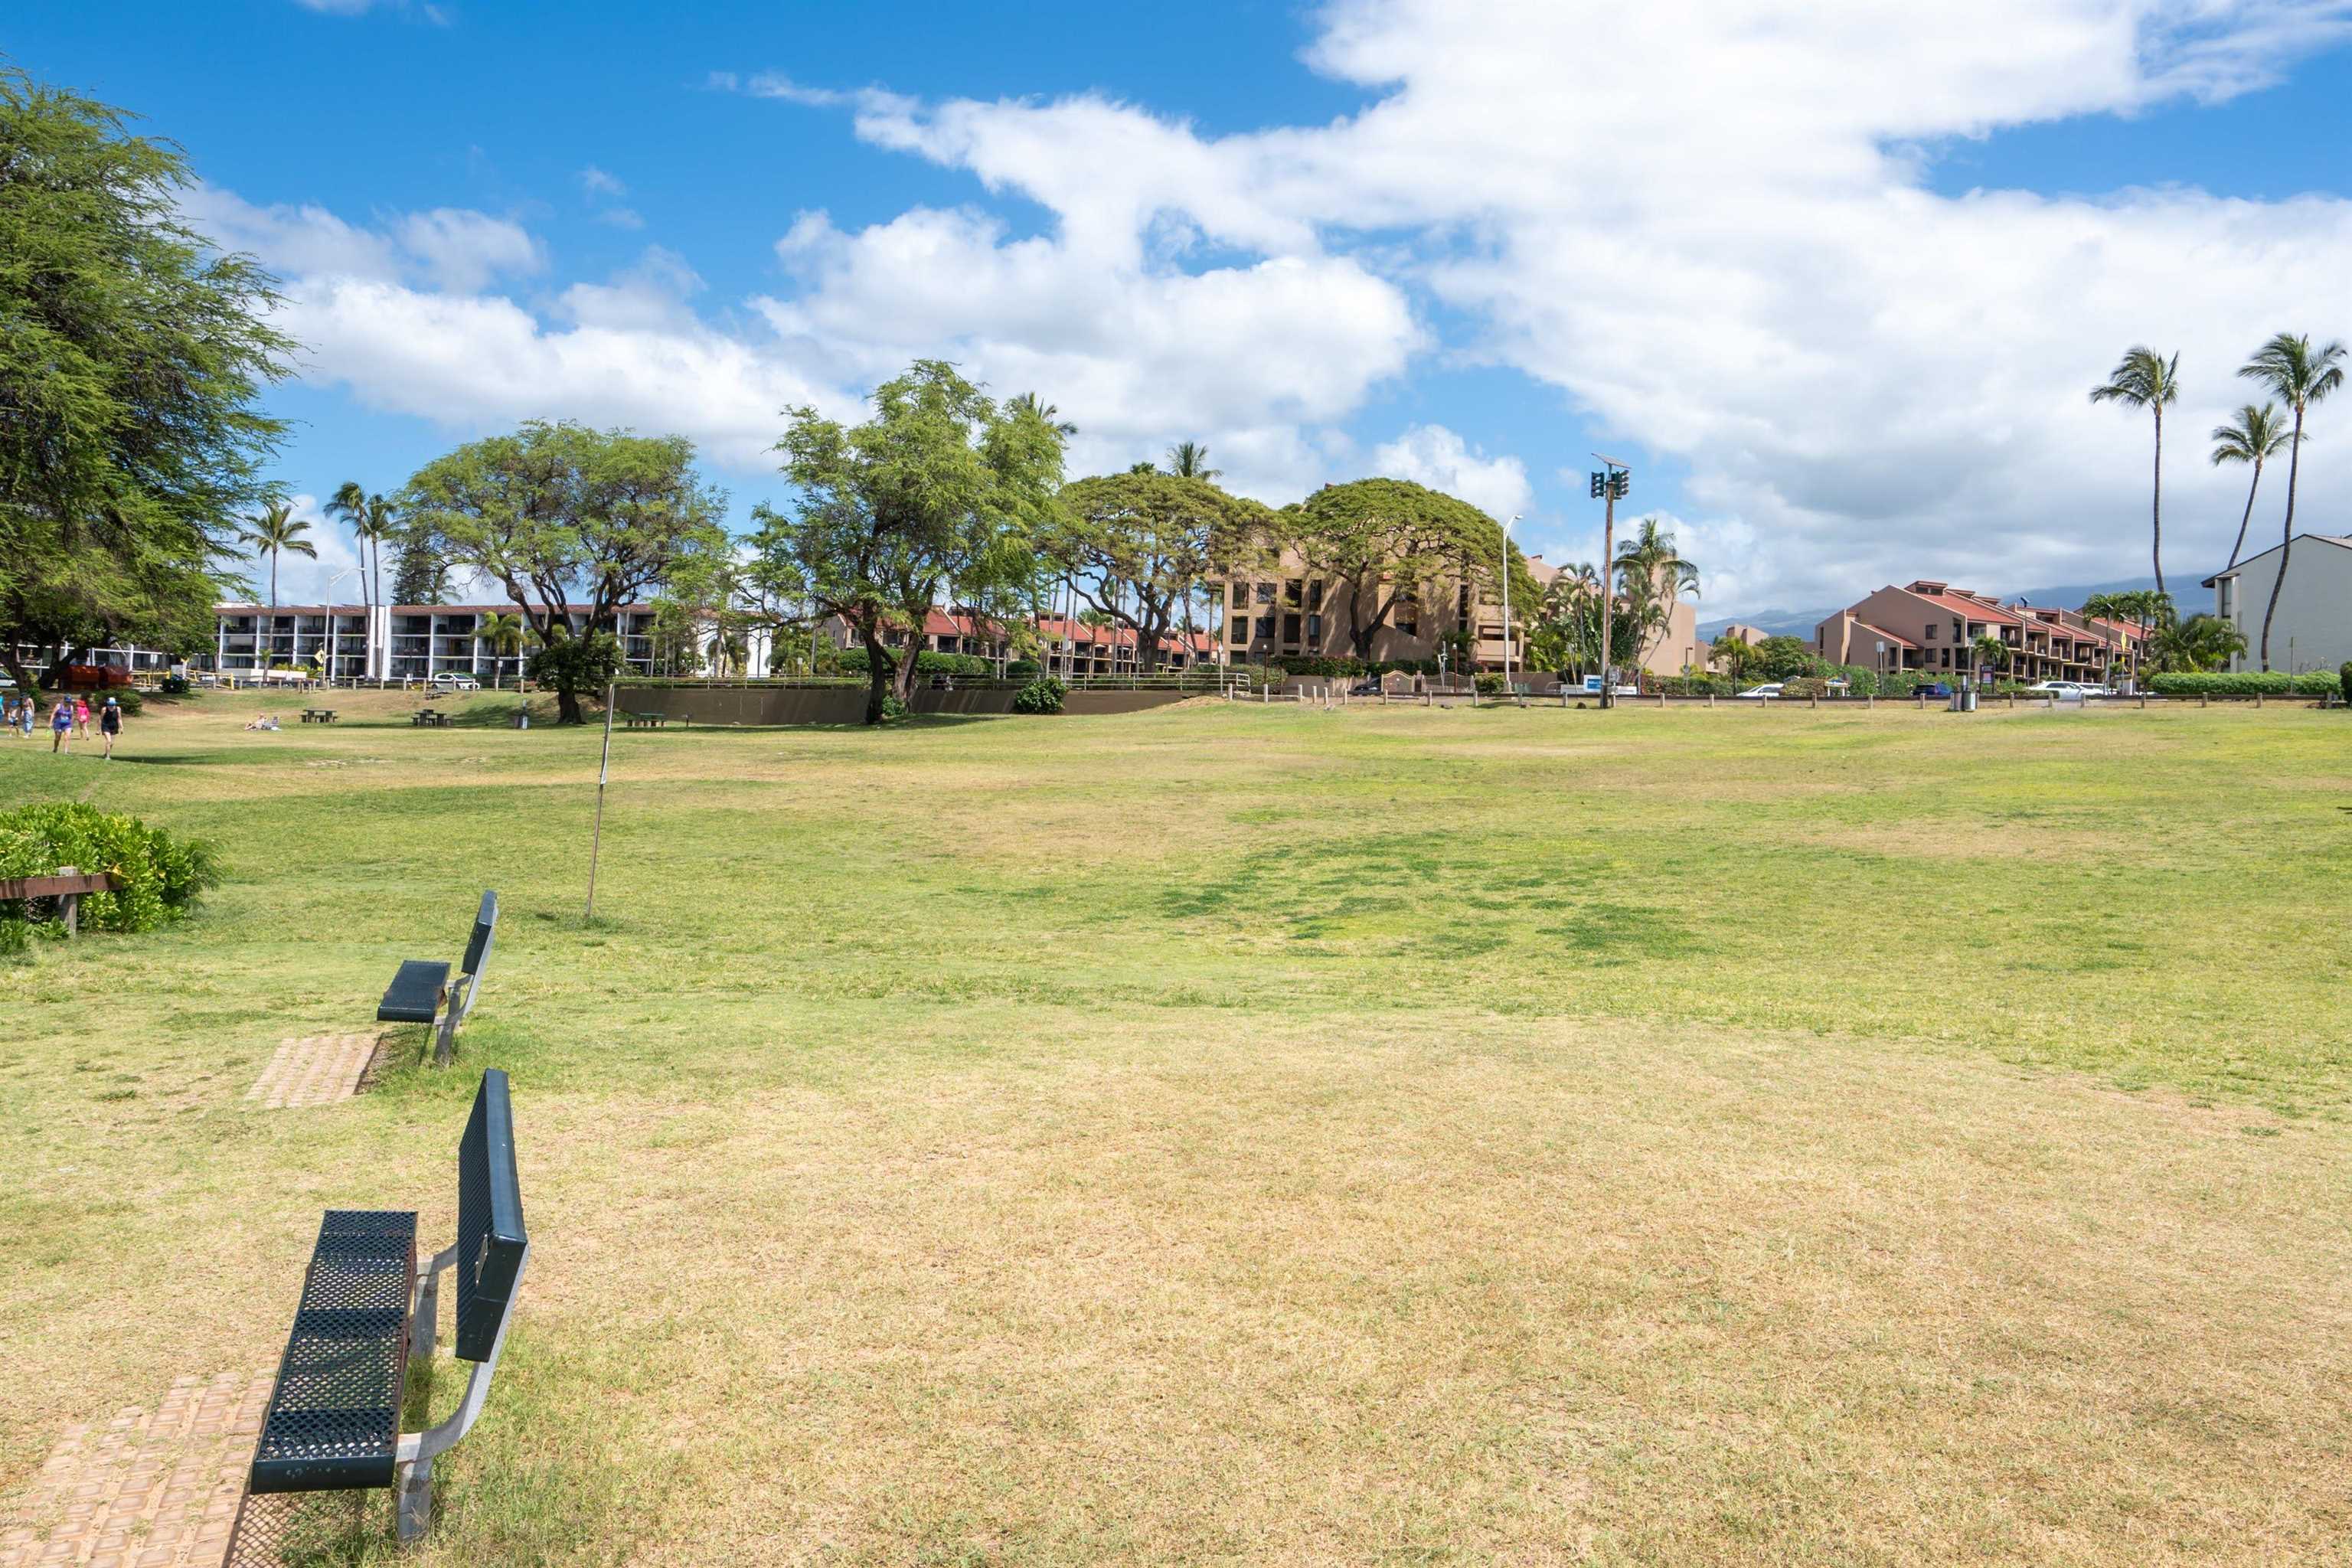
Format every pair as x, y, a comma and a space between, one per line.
429, 716
67, 886
420, 991
367, 1310
643, 720
317, 715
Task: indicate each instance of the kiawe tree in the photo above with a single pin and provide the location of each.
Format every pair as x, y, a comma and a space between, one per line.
1138, 545
2298, 376
574, 523
2144, 378
133, 354
940, 486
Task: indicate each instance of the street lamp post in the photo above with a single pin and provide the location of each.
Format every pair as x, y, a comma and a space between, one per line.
347, 571
1507, 602
1609, 485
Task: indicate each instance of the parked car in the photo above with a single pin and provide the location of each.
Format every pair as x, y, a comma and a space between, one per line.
450, 680
2067, 690
1768, 692
1933, 689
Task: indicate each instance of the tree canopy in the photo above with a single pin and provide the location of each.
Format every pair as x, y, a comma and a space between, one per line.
1388, 539
131, 360
570, 521
941, 489
1139, 543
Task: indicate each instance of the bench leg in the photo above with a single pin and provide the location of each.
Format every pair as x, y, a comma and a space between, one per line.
413, 1500
445, 1045
425, 1319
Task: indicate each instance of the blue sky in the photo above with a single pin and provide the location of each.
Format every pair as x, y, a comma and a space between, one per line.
1839, 302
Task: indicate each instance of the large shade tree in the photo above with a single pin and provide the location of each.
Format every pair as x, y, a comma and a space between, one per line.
1138, 544
132, 356
2298, 376
575, 523
939, 490
1387, 542
2144, 378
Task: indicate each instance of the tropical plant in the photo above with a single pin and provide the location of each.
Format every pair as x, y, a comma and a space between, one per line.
1190, 460
2144, 378
274, 532
1990, 652
1043, 695
2257, 436
1029, 403
161, 876
503, 634
1654, 575
2146, 610
2202, 642
2298, 376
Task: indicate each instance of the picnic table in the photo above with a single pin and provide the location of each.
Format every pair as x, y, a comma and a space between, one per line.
317, 715
643, 720
432, 715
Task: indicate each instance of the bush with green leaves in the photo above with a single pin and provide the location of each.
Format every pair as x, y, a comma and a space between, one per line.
176, 686
2243, 683
1021, 669
2344, 679
1043, 695
1489, 682
577, 664
855, 661
894, 712
1697, 685
163, 876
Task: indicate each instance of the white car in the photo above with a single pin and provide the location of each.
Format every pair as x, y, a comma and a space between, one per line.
449, 680
1766, 692
2066, 691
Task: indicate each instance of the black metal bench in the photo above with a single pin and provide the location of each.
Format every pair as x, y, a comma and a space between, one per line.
420, 991
367, 1310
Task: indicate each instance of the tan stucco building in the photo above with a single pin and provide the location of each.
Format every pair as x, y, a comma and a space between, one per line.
1929, 626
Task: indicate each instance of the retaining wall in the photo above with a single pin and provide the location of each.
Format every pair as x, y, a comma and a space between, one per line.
782, 705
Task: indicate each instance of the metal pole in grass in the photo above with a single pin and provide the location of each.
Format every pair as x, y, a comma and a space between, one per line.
603, 772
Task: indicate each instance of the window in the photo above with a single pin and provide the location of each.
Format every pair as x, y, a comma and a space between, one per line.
1931, 631
1315, 594
1239, 630
1957, 634
1265, 627
1290, 628
1315, 629
1240, 594
1292, 592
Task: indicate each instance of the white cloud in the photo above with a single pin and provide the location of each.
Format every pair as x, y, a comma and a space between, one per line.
449, 248
1433, 456
464, 251
597, 182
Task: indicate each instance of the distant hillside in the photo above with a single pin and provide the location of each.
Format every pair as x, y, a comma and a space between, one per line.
1800, 623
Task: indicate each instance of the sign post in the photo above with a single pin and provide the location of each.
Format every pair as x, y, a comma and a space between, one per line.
603, 773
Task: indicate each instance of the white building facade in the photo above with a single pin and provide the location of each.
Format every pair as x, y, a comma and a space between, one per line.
390, 642
2313, 628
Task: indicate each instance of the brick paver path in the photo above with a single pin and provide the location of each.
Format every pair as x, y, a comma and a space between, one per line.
317, 1070
148, 1489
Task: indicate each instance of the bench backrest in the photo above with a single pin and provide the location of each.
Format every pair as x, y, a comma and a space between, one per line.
477, 946
491, 1244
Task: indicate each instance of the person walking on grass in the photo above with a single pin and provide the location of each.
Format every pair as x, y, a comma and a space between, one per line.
24, 715
109, 728
82, 717
61, 727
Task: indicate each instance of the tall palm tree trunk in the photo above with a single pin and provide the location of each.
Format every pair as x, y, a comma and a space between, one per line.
2237, 549
273, 579
2287, 543
2157, 505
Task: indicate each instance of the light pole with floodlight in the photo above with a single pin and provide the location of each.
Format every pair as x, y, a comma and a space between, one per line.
347, 571
1609, 487
1507, 602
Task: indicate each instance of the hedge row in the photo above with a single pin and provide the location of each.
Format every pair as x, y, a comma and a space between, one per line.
853, 661
163, 876
2245, 683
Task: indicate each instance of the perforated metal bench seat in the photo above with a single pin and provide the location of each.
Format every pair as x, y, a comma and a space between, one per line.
334, 1422
415, 995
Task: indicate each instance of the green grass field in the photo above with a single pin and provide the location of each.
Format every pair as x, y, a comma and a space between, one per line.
1246, 1135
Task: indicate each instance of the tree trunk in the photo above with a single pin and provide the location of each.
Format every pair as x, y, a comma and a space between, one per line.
568, 706
2239, 549
2286, 542
273, 581
2156, 512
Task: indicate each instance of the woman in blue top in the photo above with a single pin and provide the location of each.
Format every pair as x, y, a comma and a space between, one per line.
61, 726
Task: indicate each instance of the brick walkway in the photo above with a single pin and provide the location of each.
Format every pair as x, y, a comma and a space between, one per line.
317, 1070
147, 1489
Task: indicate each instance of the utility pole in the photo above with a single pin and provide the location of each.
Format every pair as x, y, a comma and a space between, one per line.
1608, 485
1507, 605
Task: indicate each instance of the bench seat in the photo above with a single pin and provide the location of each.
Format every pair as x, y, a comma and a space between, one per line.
334, 1421
416, 992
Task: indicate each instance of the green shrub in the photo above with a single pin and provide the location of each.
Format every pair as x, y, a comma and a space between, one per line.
176, 686
2243, 683
1043, 695
894, 712
854, 662
1798, 687
2344, 679
163, 876
1021, 669
1489, 683
1697, 685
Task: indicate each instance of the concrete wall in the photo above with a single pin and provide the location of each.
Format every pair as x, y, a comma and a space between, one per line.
780, 705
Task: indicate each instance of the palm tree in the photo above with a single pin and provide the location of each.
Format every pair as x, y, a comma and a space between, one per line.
272, 534
2259, 435
2200, 642
1030, 403
373, 521
2297, 376
1190, 460
1656, 577
1991, 653
504, 635
2144, 378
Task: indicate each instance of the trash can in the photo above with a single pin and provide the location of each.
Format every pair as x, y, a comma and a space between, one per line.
522, 718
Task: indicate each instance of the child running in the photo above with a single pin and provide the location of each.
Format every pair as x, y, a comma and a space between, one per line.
82, 717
